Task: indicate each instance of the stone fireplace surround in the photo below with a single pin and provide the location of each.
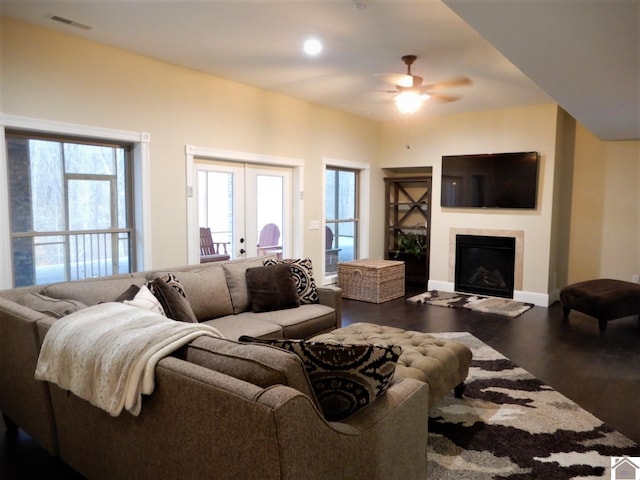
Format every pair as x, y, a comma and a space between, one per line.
517, 234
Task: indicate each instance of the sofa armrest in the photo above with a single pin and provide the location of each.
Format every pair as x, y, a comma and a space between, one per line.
23, 399
387, 439
332, 297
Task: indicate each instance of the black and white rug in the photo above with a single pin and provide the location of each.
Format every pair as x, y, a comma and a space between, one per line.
510, 426
477, 303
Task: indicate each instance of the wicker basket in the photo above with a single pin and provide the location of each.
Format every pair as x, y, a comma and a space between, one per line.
373, 281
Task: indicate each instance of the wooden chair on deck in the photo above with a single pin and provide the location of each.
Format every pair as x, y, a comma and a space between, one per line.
331, 254
210, 250
268, 243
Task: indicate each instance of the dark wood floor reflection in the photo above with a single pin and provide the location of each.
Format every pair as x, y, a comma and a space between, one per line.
599, 372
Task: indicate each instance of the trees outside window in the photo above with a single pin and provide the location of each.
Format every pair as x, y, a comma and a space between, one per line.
71, 212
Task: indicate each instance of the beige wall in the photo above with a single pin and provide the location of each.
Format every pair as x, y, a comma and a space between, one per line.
51, 76
518, 129
605, 219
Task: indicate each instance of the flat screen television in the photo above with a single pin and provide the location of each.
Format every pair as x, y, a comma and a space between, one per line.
496, 180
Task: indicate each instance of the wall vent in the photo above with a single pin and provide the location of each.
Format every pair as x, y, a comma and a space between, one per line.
66, 21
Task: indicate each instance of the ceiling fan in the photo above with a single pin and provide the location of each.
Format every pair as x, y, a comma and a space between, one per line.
409, 87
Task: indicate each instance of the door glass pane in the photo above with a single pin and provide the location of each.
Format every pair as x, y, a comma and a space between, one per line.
270, 214
215, 204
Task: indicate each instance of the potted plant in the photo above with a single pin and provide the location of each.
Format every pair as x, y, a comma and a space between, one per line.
411, 248
410, 243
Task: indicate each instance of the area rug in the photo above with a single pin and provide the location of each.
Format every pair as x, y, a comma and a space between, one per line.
511, 426
477, 303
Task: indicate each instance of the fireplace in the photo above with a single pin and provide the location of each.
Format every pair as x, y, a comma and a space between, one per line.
484, 265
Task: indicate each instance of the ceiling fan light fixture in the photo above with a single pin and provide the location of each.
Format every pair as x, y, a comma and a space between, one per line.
312, 47
410, 101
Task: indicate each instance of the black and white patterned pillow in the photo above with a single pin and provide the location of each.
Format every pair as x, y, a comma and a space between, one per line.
302, 273
344, 378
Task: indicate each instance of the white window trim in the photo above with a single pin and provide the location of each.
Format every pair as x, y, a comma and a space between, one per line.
297, 194
141, 187
364, 172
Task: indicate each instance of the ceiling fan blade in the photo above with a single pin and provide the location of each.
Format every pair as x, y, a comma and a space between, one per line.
399, 79
442, 98
452, 82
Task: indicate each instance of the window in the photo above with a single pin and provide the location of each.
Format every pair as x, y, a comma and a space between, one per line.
70, 208
342, 216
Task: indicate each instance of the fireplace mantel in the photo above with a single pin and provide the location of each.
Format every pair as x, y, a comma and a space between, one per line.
517, 234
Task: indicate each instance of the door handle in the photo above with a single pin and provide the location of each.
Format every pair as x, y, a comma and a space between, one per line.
242, 251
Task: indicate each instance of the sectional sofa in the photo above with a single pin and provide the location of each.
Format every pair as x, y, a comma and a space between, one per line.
220, 408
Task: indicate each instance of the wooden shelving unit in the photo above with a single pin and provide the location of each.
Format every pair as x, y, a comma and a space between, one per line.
407, 223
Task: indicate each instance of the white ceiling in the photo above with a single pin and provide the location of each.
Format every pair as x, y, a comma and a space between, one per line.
584, 55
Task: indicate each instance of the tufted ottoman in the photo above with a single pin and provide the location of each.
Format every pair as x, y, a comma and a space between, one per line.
603, 298
441, 363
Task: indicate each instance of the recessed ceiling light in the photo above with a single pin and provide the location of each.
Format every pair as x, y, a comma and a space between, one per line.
312, 47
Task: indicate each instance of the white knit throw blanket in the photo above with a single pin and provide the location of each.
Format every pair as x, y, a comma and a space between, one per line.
107, 353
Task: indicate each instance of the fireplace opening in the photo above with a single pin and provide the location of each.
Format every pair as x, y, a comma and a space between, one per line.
485, 265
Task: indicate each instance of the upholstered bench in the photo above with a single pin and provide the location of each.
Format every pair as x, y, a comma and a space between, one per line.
442, 363
604, 299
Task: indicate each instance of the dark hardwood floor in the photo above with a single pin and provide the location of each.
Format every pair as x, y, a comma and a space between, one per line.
600, 372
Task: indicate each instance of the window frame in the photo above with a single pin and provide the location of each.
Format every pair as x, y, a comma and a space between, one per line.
363, 208
140, 187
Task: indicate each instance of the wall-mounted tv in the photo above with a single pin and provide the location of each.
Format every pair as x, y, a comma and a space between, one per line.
496, 180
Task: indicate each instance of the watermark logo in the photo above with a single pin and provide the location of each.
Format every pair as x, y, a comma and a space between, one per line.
625, 468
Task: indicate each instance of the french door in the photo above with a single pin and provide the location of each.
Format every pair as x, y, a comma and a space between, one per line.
247, 207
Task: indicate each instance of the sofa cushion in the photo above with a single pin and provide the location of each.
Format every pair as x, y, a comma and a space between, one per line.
302, 271
271, 288
302, 322
261, 365
92, 291
344, 378
206, 289
53, 307
234, 326
170, 293
235, 273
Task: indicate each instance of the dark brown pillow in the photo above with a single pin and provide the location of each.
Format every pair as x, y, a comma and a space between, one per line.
271, 288
171, 296
128, 294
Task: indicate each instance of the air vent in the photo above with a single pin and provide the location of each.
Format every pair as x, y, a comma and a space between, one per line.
66, 21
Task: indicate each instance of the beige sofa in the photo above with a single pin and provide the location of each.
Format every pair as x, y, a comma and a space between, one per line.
220, 409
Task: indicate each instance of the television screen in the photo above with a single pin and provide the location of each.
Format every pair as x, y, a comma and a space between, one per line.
497, 180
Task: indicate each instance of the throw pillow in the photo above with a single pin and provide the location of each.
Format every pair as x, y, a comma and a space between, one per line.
271, 288
128, 294
145, 299
235, 273
53, 307
171, 295
344, 378
302, 271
